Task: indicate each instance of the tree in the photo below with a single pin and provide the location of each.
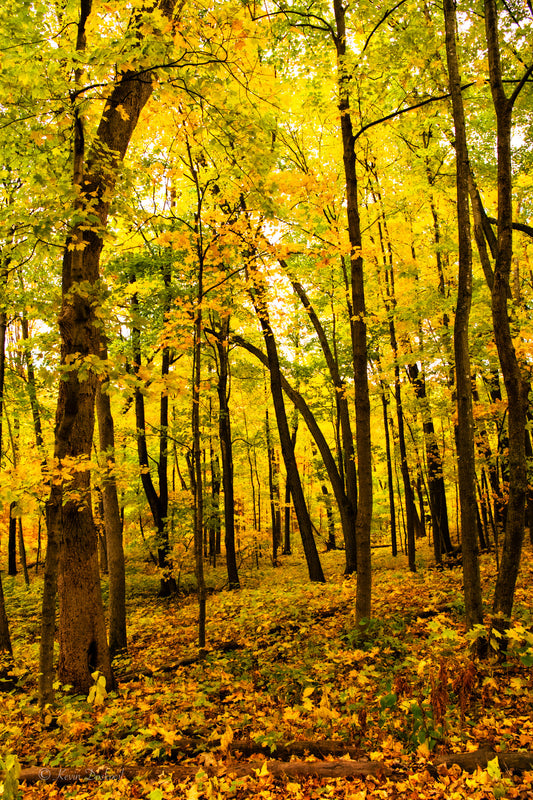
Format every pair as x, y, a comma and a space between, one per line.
226, 449
465, 416
516, 386
118, 639
357, 327
72, 563
258, 296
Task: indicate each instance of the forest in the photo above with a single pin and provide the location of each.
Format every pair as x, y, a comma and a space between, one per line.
266, 496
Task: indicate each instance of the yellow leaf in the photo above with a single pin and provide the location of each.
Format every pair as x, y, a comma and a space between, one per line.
423, 750
226, 739
421, 667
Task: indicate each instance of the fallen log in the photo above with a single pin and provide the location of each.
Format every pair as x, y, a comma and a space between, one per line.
515, 760
300, 747
342, 768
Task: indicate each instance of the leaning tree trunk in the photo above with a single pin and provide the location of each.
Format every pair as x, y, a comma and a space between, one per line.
337, 483
293, 476
72, 539
345, 425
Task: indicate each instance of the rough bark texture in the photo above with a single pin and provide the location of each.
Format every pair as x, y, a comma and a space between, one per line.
342, 768
279, 769
465, 417
71, 529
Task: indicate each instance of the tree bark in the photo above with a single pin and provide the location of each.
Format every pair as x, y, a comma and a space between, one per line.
158, 502
293, 476
436, 487
345, 425
465, 416
330, 464
516, 387
363, 602
71, 531
118, 640
273, 490
226, 449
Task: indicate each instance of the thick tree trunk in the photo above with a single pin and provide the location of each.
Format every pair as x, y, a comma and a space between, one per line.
82, 637
465, 416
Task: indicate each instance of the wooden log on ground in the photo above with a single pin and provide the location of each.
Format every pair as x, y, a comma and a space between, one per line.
291, 769
515, 760
340, 768
300, 747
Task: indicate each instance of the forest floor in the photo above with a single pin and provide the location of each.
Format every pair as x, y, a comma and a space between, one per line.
285, 664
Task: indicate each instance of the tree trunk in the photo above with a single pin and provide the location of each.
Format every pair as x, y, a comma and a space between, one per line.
273, 491
293, 476
314, 429
390, 481
465, 416
5, 639
158, 502
82, 636
196, 465
358, 331
345, 426
118, 640
436, 487
287, 506
226, 449
516, 387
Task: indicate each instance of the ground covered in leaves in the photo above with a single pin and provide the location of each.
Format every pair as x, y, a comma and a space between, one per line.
285, 663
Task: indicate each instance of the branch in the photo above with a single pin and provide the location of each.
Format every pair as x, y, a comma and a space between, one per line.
381, 21
400, 111
517, 226
521, 83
